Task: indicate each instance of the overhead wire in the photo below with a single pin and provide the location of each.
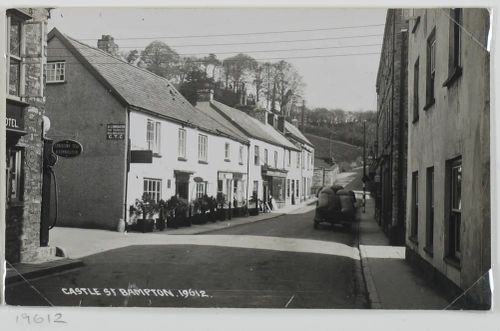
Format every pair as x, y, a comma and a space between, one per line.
267, 51
255, 42
245, 33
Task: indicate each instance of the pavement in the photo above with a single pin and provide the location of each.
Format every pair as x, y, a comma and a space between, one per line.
391, 282
98, 241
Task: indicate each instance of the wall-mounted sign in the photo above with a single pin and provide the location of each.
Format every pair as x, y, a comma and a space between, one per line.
141, 156
115, 132
14, 117
67, 148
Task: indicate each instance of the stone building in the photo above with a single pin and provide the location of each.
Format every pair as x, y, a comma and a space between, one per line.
391, 145
448, 197
25, 109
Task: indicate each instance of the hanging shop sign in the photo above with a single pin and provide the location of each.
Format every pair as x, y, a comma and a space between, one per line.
115, 131
67, 148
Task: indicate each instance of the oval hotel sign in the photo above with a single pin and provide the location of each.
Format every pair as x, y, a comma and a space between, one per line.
67, 148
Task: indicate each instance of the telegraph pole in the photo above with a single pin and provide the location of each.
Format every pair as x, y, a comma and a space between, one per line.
303, 111
364, 165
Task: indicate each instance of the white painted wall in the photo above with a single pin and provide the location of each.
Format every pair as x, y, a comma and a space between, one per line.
163, 166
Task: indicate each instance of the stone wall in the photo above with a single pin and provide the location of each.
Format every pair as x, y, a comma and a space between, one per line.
23, 218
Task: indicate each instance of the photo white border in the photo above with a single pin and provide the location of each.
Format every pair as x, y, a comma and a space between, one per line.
266, 319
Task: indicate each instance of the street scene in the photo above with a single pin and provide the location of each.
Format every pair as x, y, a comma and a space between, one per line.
297, 164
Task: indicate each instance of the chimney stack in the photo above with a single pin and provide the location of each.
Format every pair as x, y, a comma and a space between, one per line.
204, 95
107, 44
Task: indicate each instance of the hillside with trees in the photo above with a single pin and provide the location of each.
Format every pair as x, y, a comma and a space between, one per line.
241, 81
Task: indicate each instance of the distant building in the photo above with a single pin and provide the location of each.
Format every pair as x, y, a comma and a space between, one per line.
448, 215
391, 147
25, 108
324, 174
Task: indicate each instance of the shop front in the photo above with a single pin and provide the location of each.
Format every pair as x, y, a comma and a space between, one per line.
231, 188
274, 186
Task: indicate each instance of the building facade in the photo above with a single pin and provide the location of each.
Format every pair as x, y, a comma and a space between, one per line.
448, 179
391, 144
25, 110
115, 109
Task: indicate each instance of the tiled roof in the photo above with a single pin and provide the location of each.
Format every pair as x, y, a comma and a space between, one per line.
145, 90
296, 133
253, 127
214, 114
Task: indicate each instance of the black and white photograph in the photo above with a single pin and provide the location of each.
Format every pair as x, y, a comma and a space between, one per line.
256, 157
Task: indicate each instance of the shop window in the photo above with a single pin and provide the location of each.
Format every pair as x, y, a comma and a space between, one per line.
454, 196
152, 188
429, 229
202, 148
15, 176
55, 72
181, 148
153, 136
414, 207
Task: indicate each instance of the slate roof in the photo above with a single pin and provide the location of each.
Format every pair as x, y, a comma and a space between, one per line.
143, 89
252, 126
223, 121
296, 133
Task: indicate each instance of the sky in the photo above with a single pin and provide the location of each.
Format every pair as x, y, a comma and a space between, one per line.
346, 81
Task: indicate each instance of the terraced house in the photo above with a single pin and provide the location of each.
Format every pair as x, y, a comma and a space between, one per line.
114, 110
120, 113
448, 197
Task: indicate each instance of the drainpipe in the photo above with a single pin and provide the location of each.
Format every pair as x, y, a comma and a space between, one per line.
248, 173
127, 164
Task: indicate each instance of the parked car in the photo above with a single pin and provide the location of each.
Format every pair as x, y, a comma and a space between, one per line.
335, 206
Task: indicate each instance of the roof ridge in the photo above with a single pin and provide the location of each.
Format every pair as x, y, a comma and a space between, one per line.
121, 60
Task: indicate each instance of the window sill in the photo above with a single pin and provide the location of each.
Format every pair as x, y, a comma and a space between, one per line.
429, 250
457, 72
227, 160
56, 83
156, 155
414, 240
180, 158
202, 162
429, 104
453, 261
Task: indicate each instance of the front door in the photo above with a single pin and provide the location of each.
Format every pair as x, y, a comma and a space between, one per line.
182, 185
